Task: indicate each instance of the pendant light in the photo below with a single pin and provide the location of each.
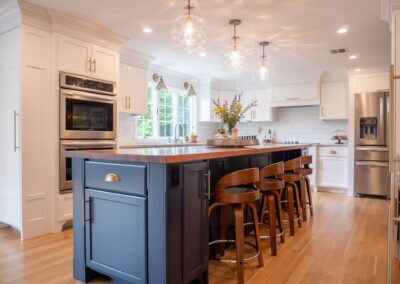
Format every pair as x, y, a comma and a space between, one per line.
235, 57
188, 33
265, 66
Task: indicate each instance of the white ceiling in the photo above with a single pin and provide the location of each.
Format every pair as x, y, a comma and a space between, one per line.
301, 32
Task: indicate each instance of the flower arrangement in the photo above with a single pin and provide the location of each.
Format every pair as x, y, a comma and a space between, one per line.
231, 114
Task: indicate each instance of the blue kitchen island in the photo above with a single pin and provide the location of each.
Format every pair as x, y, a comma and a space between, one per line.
140, 215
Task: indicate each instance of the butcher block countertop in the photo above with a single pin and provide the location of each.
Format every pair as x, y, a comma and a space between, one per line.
172, 155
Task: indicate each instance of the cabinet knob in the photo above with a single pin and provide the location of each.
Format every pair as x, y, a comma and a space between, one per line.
111, 177
398, 174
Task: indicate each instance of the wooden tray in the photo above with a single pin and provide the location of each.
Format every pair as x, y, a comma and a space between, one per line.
232, 143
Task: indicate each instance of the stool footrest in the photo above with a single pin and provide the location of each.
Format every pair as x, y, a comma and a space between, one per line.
234, 260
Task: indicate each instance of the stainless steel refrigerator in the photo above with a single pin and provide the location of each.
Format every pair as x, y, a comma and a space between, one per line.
371, 167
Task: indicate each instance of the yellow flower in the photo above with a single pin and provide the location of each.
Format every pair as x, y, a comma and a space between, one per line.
223, 108
216, 110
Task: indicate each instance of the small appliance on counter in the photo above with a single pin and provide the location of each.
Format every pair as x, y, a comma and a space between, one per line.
371, 173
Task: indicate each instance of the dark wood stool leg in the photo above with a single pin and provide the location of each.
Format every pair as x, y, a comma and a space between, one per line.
272, 222
296, 195
263, 208
239, 237
279, 214
257, 234
303, 198
222, 227
290, 201
309, 193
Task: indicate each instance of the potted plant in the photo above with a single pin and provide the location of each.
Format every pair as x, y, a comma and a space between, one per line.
193, 137
231, 113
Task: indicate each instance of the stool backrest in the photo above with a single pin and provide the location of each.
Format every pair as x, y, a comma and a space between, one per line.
242, 177
292, 165
305, 161
271, 171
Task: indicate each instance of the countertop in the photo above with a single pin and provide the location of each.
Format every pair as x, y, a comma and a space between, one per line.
171, 155
159, 145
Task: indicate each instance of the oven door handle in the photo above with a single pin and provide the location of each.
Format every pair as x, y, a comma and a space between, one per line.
89, 97
88, 143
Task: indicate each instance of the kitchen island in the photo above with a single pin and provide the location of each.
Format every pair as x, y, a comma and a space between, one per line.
141, 215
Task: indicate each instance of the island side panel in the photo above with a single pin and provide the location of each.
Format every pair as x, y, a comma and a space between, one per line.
81, 272
157, 252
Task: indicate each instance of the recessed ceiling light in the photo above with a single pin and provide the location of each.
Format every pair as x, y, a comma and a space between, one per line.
353, 56
357, 70
203, 54
147, 30
342, 31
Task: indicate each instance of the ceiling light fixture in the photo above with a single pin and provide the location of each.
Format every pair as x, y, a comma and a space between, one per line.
357, 70
188, 33
189, 87
265, 67
160, 83
147, 30
342, 30
353, 56
203, 54
235, 58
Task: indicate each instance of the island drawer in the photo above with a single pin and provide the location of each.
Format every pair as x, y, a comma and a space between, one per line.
333, 151
122, 178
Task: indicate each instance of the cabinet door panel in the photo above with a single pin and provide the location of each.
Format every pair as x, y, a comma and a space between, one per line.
116, 235
137, 90
195, 221
106, 63
334, 100
332, 172
73, 56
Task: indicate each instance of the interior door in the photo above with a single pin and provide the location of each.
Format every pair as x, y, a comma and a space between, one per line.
116, 233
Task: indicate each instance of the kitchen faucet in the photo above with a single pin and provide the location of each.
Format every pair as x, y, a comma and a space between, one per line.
176, 139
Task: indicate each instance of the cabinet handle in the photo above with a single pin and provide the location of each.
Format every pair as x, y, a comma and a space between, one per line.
129, 102
111, 177
322, 111
332, 152
398, 174
292, 99
90, 64
15, 131
126, 102
95, 64
88, 203
208, 194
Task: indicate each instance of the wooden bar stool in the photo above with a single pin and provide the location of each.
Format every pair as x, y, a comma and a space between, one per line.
271, 185
292, 192
238, 189
305, 172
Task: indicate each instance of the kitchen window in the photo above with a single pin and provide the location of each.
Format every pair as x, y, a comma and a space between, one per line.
166, 108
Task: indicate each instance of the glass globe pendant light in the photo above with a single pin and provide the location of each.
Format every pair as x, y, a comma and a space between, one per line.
265, 66
235, 58
188, 33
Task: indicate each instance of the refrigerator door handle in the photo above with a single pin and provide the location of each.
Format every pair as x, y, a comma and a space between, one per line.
372, 164
383, 149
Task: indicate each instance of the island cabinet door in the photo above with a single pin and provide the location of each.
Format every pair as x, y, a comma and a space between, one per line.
115, 232
195, 221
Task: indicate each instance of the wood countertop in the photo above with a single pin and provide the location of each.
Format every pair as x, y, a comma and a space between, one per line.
172, 155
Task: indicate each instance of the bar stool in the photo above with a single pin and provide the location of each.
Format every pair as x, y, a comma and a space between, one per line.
292, 192
305, 172
238, 189
271, 185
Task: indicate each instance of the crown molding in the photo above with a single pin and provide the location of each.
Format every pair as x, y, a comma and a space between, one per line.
77, 27
135, 58
162, 70
10, 16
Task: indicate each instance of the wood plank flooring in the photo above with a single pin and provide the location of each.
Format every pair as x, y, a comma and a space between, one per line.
345, 242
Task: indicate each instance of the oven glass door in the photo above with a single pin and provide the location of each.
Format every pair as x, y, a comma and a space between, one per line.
87, 116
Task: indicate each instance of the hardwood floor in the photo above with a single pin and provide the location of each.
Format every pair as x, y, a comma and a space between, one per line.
345, 242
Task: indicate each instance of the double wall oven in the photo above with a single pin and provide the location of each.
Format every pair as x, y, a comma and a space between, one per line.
88, 117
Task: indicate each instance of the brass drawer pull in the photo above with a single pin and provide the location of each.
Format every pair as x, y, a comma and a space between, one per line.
111, 177
398, 174
332, 152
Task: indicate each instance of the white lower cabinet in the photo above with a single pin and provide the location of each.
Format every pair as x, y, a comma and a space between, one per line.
332, 172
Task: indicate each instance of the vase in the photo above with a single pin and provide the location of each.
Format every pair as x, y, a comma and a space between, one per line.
228, 127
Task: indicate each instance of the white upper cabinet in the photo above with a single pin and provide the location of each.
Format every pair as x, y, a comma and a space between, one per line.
263, 110
83, 58
296, 95
132, 94
333, 100
105, 63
